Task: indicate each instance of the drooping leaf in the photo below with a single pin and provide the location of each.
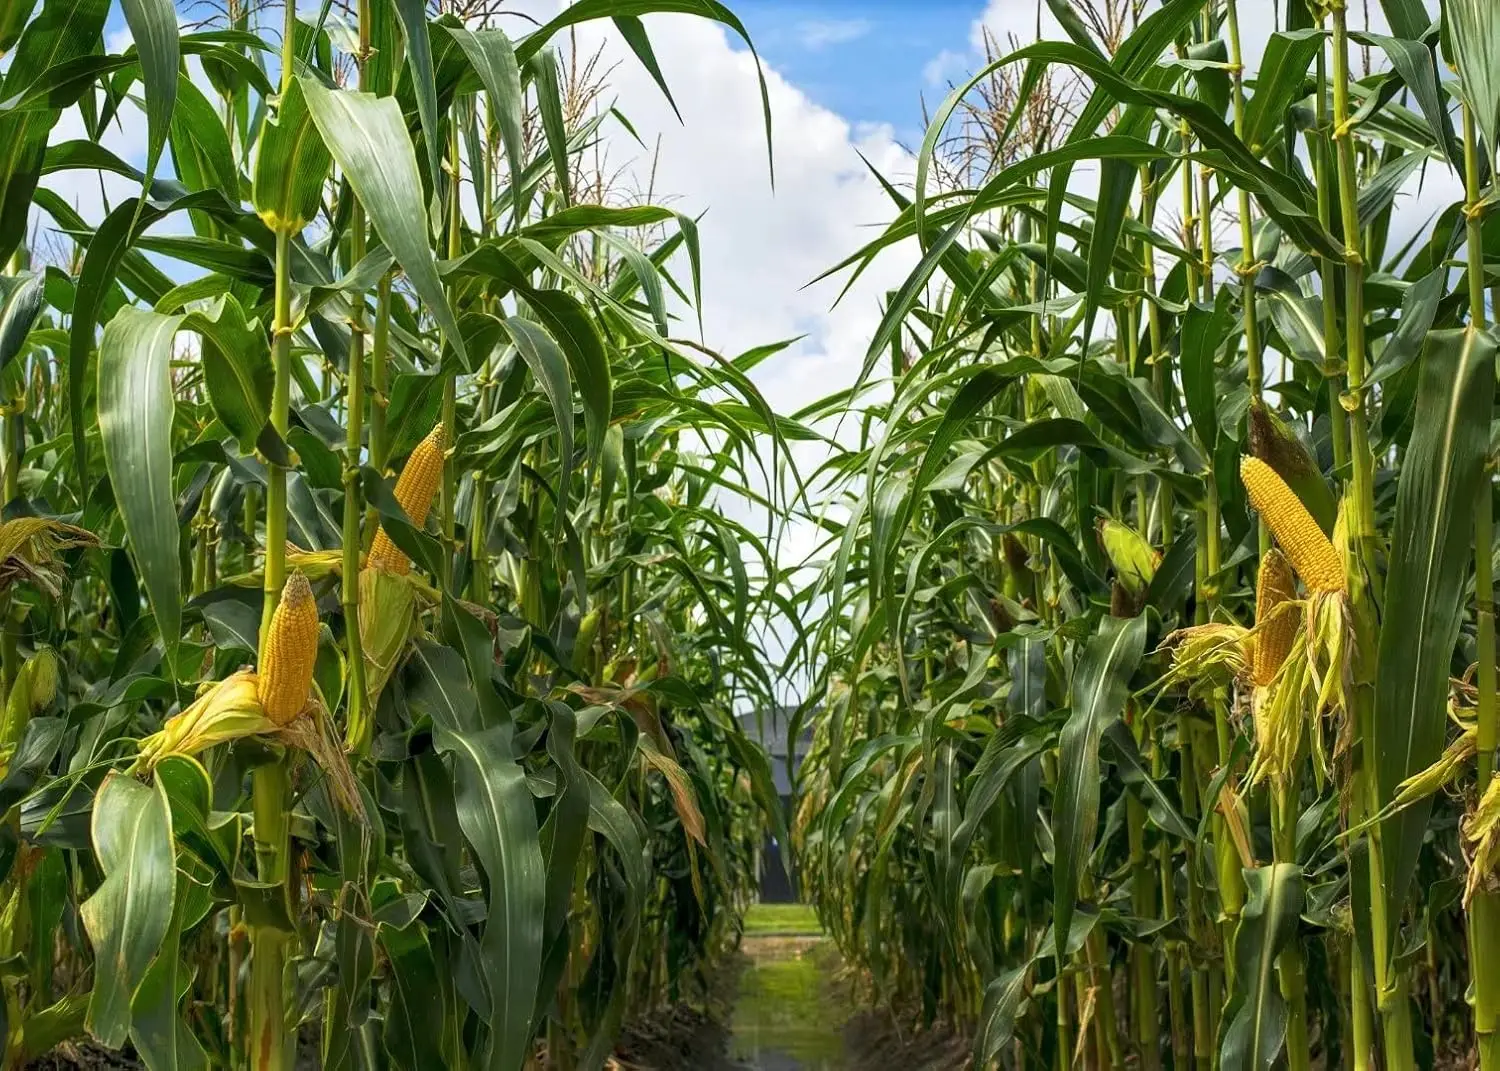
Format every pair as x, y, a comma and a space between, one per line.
64, 30
494, 60
153, 24
367, 136
1473, 32
498, 820
128, 916
21, 299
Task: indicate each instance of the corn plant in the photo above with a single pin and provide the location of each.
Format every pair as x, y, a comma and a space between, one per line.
371, 630
1154, 719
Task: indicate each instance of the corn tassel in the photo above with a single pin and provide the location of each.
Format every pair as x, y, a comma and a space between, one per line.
286, 671
1276, 629
415, 489
1303, 542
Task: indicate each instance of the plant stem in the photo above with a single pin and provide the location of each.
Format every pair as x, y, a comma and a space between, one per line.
270, 1037
1247, 266
1290, 963
450, 376
1484, 908
380, 346
1321, 151
358, 719
1390, 987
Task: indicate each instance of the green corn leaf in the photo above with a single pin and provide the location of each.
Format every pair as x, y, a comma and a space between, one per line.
65, 30
418, 38
136, 408
494, 60
585, 10
496, 815
367, 137
1278, 82
12, 21
1100, 685
550, 369
1442, 474
498, 820
1255, 1017
21, 299
291, 165
546, 79
1472, 32
153, 24
1004, 1002
128, 916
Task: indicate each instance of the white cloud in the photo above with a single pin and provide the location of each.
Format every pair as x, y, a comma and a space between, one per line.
946, 66
761, 246
820, 33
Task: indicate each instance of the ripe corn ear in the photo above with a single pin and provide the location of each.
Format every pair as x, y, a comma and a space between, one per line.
1303, 542
1276, 628
286, 665
1274, 442
415, 489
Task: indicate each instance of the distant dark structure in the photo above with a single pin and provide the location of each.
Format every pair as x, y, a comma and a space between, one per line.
770, 729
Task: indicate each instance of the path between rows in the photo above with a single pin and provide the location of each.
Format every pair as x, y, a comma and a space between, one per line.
789, 1012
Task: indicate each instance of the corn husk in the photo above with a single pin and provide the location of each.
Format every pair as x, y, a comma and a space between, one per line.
1133, 559
314, 564
1481, 831
226, 710
387, 623
230, 710
29, 550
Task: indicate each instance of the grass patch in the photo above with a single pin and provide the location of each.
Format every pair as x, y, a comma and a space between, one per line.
782, 919
786, 1006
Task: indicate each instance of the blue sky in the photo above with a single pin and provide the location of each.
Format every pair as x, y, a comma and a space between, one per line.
864, 59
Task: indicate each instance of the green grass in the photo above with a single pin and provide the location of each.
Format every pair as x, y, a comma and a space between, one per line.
787, 1007
796, 919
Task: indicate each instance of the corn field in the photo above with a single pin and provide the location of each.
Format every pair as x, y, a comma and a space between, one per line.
1154, 719
355, 689
376, 635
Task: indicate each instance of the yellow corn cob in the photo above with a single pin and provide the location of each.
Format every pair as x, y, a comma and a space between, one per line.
1304, 543
291, 650
415, 489
1275, 631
